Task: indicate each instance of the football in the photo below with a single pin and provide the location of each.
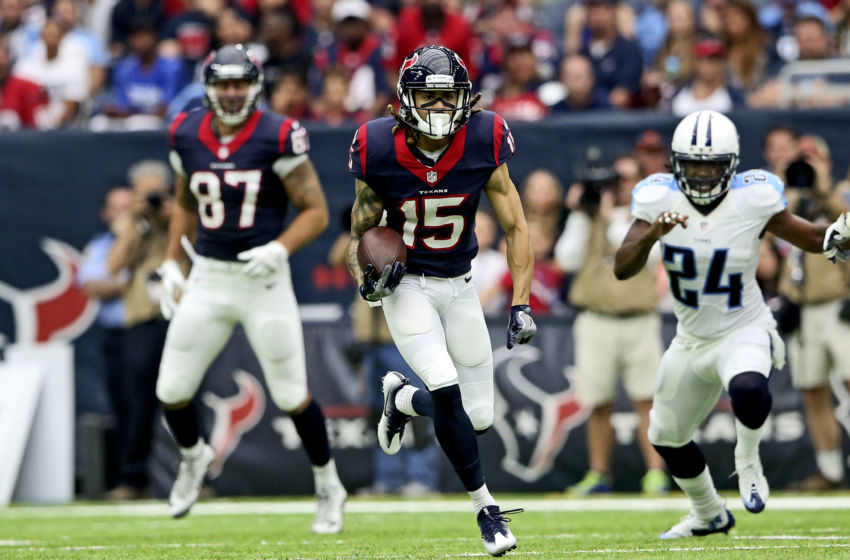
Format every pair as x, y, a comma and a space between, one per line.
379, 247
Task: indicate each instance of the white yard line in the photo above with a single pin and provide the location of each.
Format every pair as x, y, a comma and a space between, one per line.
225, 507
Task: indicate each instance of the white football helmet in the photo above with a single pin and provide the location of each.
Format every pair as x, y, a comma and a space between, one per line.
704, 155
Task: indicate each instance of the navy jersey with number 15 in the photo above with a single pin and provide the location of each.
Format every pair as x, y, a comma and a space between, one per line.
432, 207
241, 200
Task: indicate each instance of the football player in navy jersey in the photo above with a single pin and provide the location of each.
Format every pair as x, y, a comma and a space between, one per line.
238, 168
425, 169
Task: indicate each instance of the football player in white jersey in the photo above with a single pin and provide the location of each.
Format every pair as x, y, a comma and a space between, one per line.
709, 220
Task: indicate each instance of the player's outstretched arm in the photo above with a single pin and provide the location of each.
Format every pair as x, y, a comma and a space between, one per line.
507, 206
304, 190
365, 214
633, 253
797, 231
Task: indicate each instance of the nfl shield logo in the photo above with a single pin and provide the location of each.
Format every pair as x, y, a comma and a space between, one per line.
431, 176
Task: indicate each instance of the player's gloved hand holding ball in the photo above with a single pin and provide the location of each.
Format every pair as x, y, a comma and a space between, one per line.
264, 260
836, 234
373, 289
172, 280
521, 327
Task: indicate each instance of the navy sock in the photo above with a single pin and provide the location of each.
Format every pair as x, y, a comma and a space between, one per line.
457, 436
310, 424
683, 462
751, 399
183, 423
422, 403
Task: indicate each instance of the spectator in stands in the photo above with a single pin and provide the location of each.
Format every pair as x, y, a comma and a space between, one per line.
842, 29
330, 108
190, 34
430, 22
779, 18
143, 84
616, 60
819, 344
97, 281
546, 281
62, 68
517, 99
813, 44
233, 26
490, 264
320, 33
651, 152
356, 51
291, 97
542, 196
66, 11
749, 56
141, 239
676, 61
617, 330
281, 33
123, 16
708, 90
711, 16
579, 81
780, 149
20, 100
13, 28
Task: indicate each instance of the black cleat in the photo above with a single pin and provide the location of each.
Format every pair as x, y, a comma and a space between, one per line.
391, 425
495, 535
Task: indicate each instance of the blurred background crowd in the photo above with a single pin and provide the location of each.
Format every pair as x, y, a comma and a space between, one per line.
130, 64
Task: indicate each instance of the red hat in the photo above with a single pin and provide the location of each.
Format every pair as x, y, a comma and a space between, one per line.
709, 47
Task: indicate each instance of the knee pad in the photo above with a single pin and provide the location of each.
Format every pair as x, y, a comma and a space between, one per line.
660, 434
481, 418
289, 397
173, 389
272, 341
751, 398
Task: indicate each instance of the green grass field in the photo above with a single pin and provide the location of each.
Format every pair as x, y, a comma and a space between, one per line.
552, 527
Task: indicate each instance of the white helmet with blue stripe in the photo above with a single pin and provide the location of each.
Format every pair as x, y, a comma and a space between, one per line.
704, 155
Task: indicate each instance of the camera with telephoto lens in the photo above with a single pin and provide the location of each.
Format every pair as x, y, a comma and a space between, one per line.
800, 174
155, 200
595, 177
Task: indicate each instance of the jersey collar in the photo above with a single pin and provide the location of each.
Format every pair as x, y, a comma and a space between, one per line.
224, 151
431, 175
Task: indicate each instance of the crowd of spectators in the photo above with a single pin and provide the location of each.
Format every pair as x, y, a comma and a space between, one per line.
129, 64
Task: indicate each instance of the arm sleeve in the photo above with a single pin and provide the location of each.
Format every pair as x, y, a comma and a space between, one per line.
284, 165
176, 163
571, 248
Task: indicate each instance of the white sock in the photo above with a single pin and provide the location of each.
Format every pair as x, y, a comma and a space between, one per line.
193, 451
326, 475
404, 400
747, 447
481, 498
700, 489
830, 464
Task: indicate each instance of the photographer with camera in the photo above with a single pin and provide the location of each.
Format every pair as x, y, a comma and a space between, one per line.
818, 338
617, 329
139, 248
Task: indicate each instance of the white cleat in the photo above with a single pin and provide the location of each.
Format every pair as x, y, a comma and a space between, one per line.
190, 477
331, 500
392, 422
495, 534
691, 526
752, 484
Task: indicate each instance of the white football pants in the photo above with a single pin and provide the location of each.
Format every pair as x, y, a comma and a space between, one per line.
217, 297
439, 328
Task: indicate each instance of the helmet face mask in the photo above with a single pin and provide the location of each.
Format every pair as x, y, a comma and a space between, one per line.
425, 80
704, 156
233, 82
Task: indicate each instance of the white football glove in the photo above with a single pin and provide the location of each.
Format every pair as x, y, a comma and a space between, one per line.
264, 260
836, 234
171, 276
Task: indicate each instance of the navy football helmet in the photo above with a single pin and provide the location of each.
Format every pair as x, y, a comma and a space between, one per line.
434, 68
232, 62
